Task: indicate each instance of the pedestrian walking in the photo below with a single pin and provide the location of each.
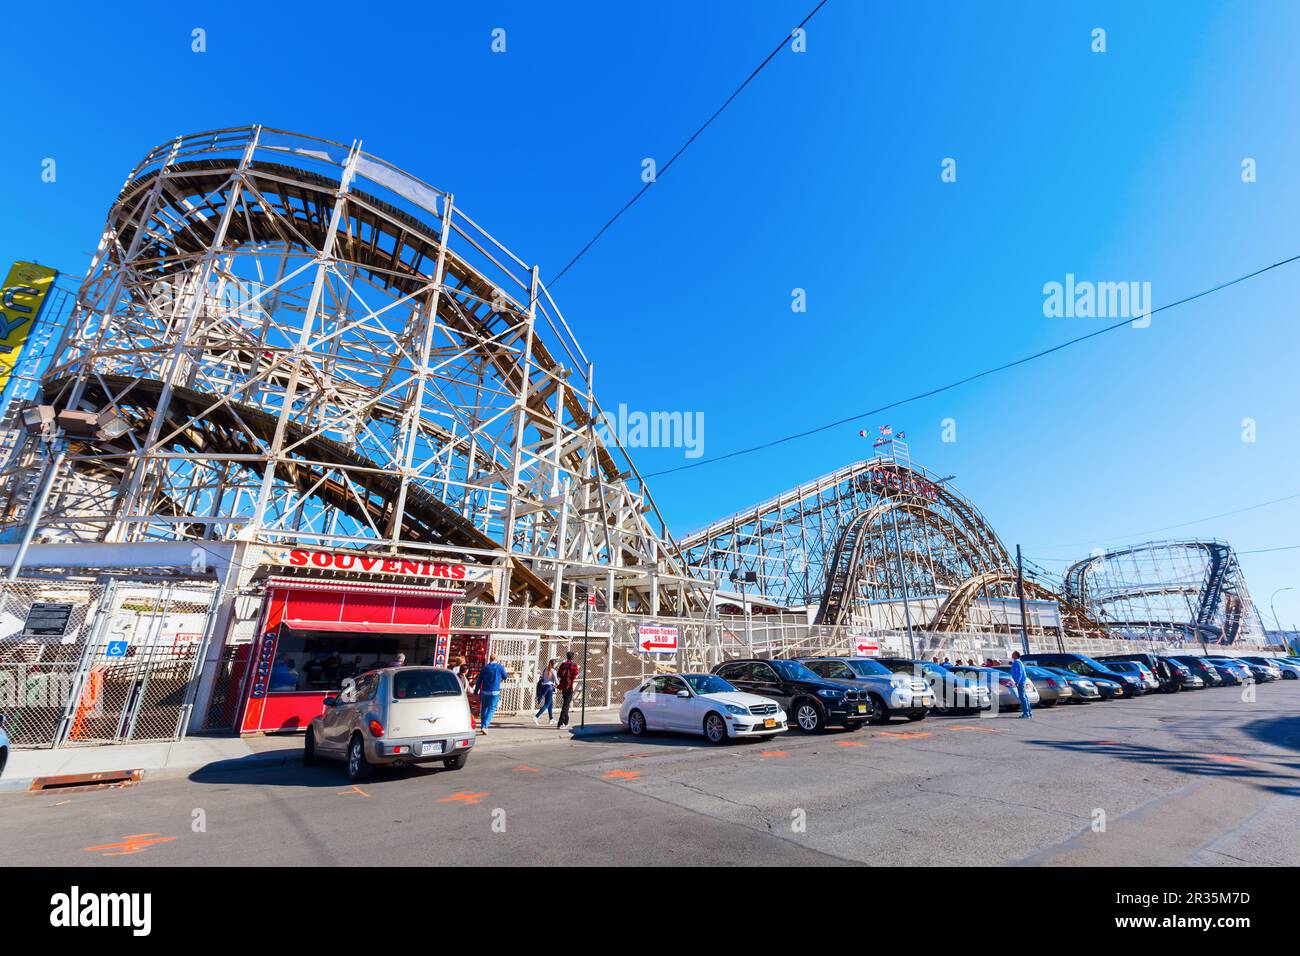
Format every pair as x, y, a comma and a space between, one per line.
546, 692
1019, 676
458, 668
567, 676
488, 688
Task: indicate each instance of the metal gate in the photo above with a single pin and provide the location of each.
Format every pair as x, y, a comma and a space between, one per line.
44, 628
518, 655
139, 663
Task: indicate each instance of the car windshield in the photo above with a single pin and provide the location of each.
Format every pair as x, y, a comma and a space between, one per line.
868, 668
409, 685
898, 666
707, 684
793, 670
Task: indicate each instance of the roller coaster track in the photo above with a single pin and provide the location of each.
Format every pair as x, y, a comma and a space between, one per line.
230, 428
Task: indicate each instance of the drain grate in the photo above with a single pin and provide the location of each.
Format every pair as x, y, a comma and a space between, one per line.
85, 781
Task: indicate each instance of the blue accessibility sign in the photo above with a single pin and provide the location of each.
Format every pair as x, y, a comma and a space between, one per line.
116, 649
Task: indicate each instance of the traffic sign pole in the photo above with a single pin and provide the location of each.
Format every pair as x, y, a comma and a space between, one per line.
586, 630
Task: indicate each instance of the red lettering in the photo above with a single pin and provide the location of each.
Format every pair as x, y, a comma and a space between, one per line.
411, 567
321, 559
340, 558
368, 564
298, 558
458, 572
390, 566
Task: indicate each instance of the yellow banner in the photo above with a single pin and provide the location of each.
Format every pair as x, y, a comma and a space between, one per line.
21, 299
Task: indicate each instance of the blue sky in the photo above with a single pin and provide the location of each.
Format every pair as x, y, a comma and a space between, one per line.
823, 175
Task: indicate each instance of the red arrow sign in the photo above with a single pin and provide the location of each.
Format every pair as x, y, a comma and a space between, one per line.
650, 645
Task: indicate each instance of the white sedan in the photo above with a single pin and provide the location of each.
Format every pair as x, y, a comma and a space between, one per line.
700, 704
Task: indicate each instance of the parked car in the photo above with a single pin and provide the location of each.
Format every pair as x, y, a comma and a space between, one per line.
700, 704
1149, 680
1052, 688
1290, 667
1233, 670
902, 695
1263, 673
1084, 688
952, 691
1202, 668
812, 702
1284, 670
1169, 679
1008, 695
1085, 666
394, 716
4, 745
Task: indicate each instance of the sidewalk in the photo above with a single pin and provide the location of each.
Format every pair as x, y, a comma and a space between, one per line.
190, 754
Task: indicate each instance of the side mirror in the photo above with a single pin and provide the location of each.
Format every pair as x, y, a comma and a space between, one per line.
331, 701
684, 694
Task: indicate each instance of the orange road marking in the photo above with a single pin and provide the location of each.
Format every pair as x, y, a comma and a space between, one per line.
620, 775
1229, 758
982, 730
774, 753
136, 843
635, 756
907, 734
524, 768
465, 797
353, 789
849, 743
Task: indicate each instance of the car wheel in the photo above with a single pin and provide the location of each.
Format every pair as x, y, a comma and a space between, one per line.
636, 723
715, 729
309, 749
809, 717
456, 762
882, 710
358, 768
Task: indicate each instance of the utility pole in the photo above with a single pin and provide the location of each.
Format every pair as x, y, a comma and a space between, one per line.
741, 578
1020, 593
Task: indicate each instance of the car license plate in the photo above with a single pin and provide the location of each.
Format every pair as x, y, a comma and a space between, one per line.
862, 708
769, 722
431, 747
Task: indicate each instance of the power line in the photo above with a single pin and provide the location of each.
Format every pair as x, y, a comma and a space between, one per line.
1169, 527
718, 112
970, 378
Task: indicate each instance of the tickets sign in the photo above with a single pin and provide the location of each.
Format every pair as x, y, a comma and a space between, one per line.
657, 638
441, 571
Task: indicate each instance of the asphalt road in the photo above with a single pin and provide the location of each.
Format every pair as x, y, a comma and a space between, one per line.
1200, 778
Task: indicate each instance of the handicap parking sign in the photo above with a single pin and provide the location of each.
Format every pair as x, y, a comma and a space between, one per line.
116, 649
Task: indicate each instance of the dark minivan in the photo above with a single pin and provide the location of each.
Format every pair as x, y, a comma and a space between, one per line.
812, 702
1085, 666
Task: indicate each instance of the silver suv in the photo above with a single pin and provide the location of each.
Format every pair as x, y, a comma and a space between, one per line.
394, 716
895, 694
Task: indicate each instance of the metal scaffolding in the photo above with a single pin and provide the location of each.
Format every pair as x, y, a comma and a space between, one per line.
284, 339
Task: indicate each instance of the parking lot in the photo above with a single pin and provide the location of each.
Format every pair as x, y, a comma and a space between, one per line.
1200, 778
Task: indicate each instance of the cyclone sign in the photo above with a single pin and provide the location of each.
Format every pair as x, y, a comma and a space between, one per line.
21, 299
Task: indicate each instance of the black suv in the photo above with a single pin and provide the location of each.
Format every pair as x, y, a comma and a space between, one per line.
1202, 668
1169, 678
812, 702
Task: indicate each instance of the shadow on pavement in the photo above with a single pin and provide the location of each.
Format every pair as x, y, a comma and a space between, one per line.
267, 770
1251, 770
1278, 731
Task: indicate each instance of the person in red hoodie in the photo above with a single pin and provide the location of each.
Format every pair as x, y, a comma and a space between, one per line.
568, 678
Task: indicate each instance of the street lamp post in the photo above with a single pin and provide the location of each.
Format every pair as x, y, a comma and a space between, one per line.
1274, 609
